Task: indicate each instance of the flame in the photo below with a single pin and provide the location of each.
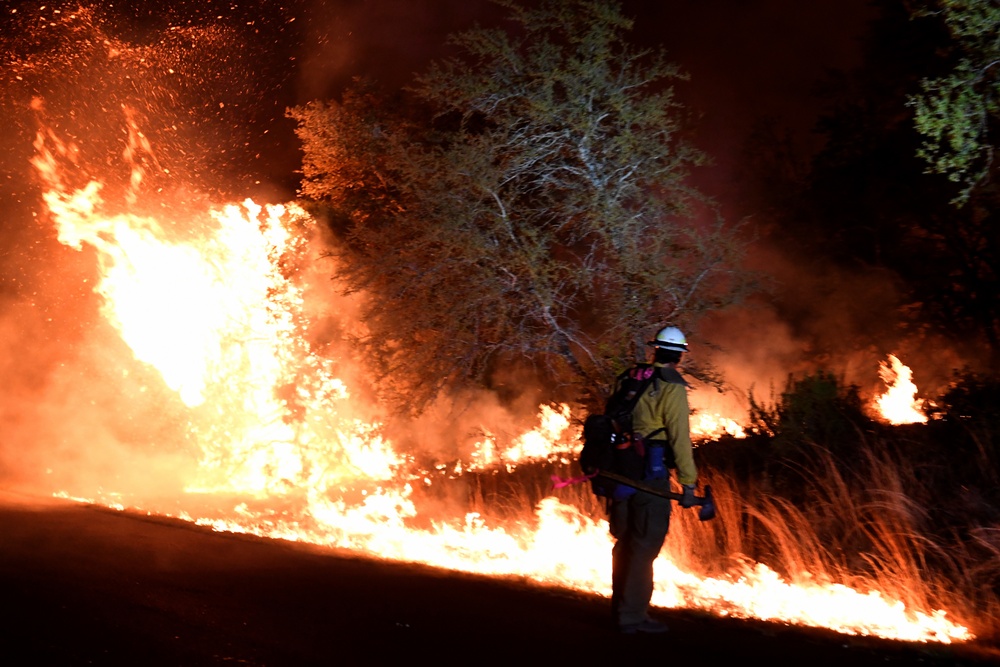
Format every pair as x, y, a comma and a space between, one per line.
711, 426
541, 444
216, 302
899, 405
712, 415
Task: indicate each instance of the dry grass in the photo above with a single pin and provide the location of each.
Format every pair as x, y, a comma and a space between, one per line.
869, 528
868, 525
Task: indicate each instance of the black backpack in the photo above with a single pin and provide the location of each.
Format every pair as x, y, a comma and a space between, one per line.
607, 436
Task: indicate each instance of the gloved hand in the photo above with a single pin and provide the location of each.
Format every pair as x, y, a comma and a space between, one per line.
688, 499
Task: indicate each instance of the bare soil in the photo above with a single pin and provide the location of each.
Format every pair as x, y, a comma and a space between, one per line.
86, 585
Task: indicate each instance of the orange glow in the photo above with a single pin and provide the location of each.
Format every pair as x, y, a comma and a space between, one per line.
899, 404
711, 426
220, 312
548, 440
715, 414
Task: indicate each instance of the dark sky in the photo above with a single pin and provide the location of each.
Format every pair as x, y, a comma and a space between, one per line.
746, 58
754, 58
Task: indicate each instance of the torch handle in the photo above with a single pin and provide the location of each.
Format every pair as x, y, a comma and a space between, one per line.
663, 493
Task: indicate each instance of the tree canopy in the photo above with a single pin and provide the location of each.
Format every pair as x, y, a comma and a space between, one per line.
523, 204
954, 111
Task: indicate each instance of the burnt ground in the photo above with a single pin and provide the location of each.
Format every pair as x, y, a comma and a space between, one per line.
85, 585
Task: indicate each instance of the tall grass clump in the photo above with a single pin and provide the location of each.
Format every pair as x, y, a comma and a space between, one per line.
825, 490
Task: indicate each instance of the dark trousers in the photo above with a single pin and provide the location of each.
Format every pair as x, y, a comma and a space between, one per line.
639, 525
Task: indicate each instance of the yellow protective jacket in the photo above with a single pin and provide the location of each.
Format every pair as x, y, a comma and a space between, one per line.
663, 413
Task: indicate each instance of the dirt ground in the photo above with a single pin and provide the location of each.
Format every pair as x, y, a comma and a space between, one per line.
85, 585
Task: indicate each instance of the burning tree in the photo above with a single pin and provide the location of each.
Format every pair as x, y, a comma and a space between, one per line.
523, 204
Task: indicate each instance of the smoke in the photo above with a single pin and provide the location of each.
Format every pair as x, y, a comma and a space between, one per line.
815, 315
812, 316
458, 424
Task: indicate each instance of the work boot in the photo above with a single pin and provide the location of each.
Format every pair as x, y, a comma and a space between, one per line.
646, 627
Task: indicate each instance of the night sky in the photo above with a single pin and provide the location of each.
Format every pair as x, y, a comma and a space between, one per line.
747, 59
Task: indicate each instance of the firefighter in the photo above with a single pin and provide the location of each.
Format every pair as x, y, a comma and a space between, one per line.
639, 523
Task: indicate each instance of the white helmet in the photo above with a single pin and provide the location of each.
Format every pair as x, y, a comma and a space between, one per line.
670, 338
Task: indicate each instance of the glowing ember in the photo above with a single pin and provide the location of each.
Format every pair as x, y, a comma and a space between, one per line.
899, 405
220, 311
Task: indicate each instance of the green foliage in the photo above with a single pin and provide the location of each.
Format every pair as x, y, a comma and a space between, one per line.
813, 410
954, 111
524, 203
